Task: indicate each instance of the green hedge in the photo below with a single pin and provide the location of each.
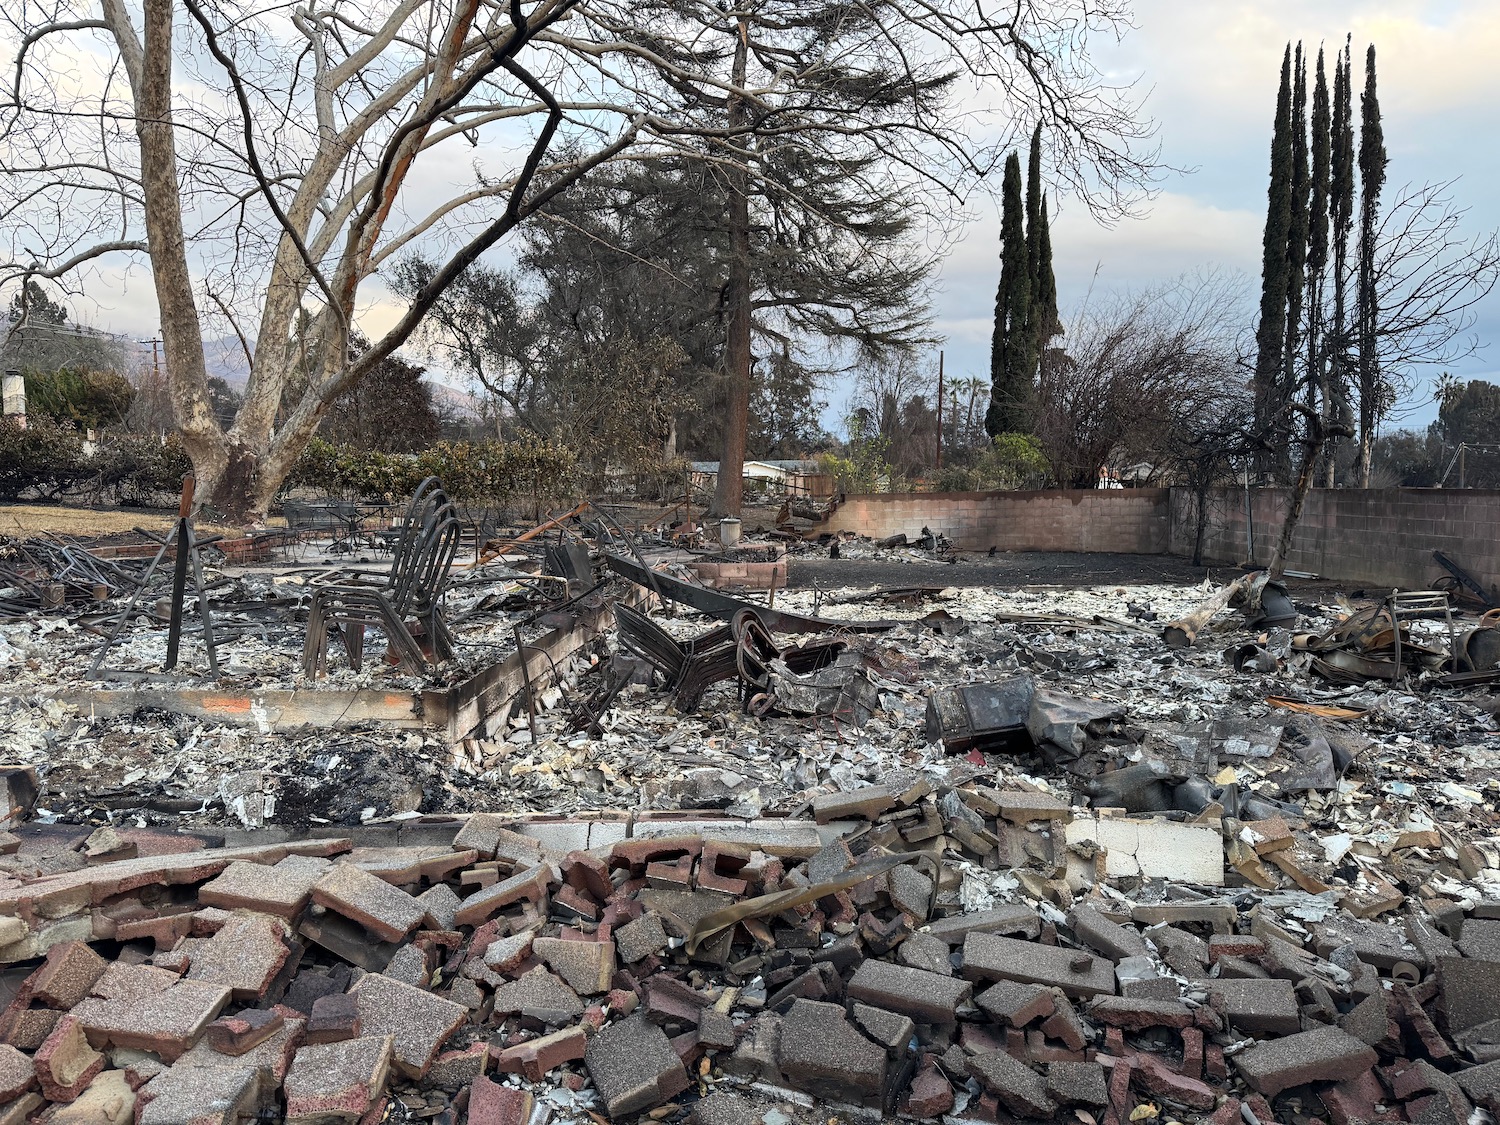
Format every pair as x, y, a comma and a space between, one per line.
47, 459
525, 469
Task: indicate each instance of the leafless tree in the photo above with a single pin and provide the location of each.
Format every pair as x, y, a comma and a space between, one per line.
1429, 276
268, 161
1141, 371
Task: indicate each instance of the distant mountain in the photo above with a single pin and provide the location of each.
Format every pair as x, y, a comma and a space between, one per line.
226, 359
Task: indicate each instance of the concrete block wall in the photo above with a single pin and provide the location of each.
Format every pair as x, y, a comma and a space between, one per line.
1383, 537
1126, 521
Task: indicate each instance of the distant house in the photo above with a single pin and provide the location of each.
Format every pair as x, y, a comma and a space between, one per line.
781, 478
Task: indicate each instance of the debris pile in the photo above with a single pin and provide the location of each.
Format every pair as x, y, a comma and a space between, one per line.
986, 951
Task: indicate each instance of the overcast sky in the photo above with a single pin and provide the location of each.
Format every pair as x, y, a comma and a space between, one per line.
1209, 70
1212, 68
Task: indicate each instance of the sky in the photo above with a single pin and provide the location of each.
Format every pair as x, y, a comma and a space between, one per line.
1208, 72
1209, 69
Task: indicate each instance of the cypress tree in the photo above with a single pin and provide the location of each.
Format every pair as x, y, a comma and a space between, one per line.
1045, 323
1296, 244
1044, 295
1317, 244
1012, 359
1270, 335
1341, 221
1372, 161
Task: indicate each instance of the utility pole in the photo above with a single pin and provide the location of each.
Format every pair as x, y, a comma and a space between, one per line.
940, 413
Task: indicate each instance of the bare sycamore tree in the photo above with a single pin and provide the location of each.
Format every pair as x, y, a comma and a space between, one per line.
1143, 373
266, 161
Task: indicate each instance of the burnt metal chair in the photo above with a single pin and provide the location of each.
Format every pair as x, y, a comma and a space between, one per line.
412, 590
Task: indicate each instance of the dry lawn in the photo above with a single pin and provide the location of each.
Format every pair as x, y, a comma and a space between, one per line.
20, 520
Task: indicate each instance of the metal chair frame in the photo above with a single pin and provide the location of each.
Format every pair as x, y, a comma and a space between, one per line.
412, 589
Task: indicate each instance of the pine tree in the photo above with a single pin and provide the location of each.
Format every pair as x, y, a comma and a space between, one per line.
1270, 335
1318, 396
1296, 247
1372, 161
1341, 222
1012, 359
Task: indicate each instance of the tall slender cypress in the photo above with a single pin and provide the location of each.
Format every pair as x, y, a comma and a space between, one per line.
1318, 397
1270, 335
1372, 161
1336, 346
1034, 215
1296, 250
1012, 362
1044, 311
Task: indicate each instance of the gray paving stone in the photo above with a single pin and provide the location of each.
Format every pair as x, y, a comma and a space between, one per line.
1080, 975
634, 1067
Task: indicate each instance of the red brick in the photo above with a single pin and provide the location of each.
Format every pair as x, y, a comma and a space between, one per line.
536, 1057
493, 1104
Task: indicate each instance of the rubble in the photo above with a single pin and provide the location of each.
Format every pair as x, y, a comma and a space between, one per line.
983, 853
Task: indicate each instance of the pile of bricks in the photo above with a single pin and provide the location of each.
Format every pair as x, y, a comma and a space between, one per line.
163, 982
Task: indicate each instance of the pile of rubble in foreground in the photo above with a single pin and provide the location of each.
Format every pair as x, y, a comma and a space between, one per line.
840, 966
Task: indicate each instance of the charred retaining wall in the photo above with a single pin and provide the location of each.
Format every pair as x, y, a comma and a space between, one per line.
1381, 536
1133, 521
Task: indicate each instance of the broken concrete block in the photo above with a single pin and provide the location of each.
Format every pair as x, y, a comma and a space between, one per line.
236, 1034
540, 995
530, 885
822, 1053
65, 1063
17, 1073
535, 1057
1005, 920
1016, 1005
633, 1067
67, 975
441, 904
1469, 991
586, 966
1137, 1015
282, 889
1077, 1083
419, 1021
334, 1018
1020, 1089
1324, 1054
219, 1095
493, 1104
337, 1082
910, 890
864, 803
925, 997
167, 1023
1257, 1007
640, 938
1077, 974
386, 911
892, 1031
1103, 936
930, 1095
409, 966
109, 1100
1022, 806
245, 956
1153, 849
923, 951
